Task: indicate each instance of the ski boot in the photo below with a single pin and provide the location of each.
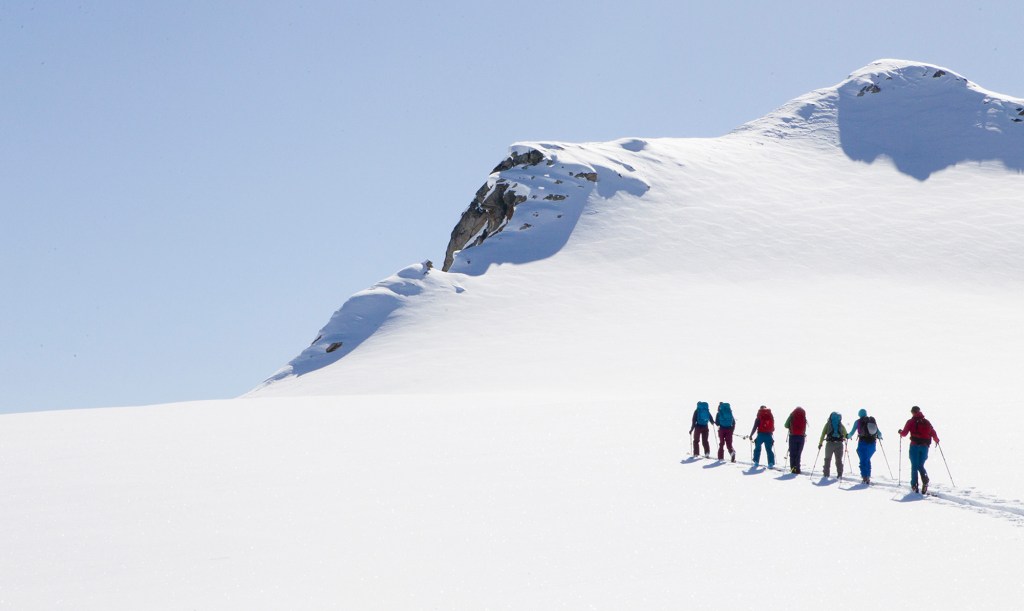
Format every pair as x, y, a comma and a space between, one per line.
914, 488
924, 484
733, 454
866, 481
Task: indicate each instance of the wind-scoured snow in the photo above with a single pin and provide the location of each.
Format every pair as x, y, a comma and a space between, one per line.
513, 433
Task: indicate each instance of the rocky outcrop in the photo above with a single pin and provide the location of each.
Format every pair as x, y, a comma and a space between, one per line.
492, 207
530, 157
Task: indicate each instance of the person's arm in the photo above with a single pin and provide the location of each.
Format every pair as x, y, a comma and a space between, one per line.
906, 428
693, 421
824, 429
935, 435
753, 428
856, 427
843, 431
878, 431
788, 421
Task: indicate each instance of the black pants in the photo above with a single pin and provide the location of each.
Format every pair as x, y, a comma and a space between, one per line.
796, 448
700, 434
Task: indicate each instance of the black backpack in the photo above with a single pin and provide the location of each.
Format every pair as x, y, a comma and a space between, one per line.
867, 428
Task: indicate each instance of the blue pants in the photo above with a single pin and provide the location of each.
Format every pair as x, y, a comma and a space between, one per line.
766, 440
865, 451
918, 454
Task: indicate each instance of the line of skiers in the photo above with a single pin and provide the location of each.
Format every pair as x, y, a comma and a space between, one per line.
833, 436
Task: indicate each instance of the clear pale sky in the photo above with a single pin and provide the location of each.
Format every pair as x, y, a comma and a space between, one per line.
188, 190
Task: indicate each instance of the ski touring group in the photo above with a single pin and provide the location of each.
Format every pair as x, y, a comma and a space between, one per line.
834, 436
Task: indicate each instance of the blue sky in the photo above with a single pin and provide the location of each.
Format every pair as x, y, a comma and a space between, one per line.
188, 190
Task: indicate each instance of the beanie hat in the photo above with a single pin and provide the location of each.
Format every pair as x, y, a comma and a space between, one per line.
863, 413
915, 409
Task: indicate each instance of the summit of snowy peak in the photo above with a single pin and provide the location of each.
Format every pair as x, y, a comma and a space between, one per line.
922, 117
902, 68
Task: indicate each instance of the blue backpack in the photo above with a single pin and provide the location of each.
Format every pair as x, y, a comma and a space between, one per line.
703, 413
836, 421
725, 418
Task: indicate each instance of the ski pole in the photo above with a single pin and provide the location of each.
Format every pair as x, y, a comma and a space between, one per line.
943, 454
846, 449
899, 482
811, 474
886, 458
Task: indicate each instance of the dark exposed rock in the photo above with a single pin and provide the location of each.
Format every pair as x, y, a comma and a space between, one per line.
872, 88
487, 214
334, 346
525, 226
555, 197
591, 176
533, 157
939, 73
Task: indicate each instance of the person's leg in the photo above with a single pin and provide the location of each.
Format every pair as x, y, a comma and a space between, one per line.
924, 474
769, 443
797, 450
757, 449
829, 450
865, 466
704, 438
915, 464
839, 459
721, 443
869, 451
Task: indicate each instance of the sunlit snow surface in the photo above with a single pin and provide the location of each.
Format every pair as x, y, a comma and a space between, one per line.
512, 434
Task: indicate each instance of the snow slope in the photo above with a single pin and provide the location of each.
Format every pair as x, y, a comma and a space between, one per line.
509, 434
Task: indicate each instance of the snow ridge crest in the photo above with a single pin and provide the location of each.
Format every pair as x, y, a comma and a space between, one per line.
922, 117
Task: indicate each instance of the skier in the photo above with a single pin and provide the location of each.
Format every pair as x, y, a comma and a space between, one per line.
836, 434
797, 425
921, 435
867, 431
726, 425
701, 419
764, 425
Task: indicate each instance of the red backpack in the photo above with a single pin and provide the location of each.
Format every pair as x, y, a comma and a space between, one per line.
765, 421
798, 422
921, 429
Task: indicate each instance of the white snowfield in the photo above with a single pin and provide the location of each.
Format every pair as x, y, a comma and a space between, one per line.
512, 433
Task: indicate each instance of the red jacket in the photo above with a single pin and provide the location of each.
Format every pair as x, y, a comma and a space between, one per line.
921, 431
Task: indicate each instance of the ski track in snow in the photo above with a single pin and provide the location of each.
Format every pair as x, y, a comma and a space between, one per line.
963, 498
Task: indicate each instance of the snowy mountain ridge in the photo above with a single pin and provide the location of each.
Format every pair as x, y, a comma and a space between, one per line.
811, 184
924, 118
